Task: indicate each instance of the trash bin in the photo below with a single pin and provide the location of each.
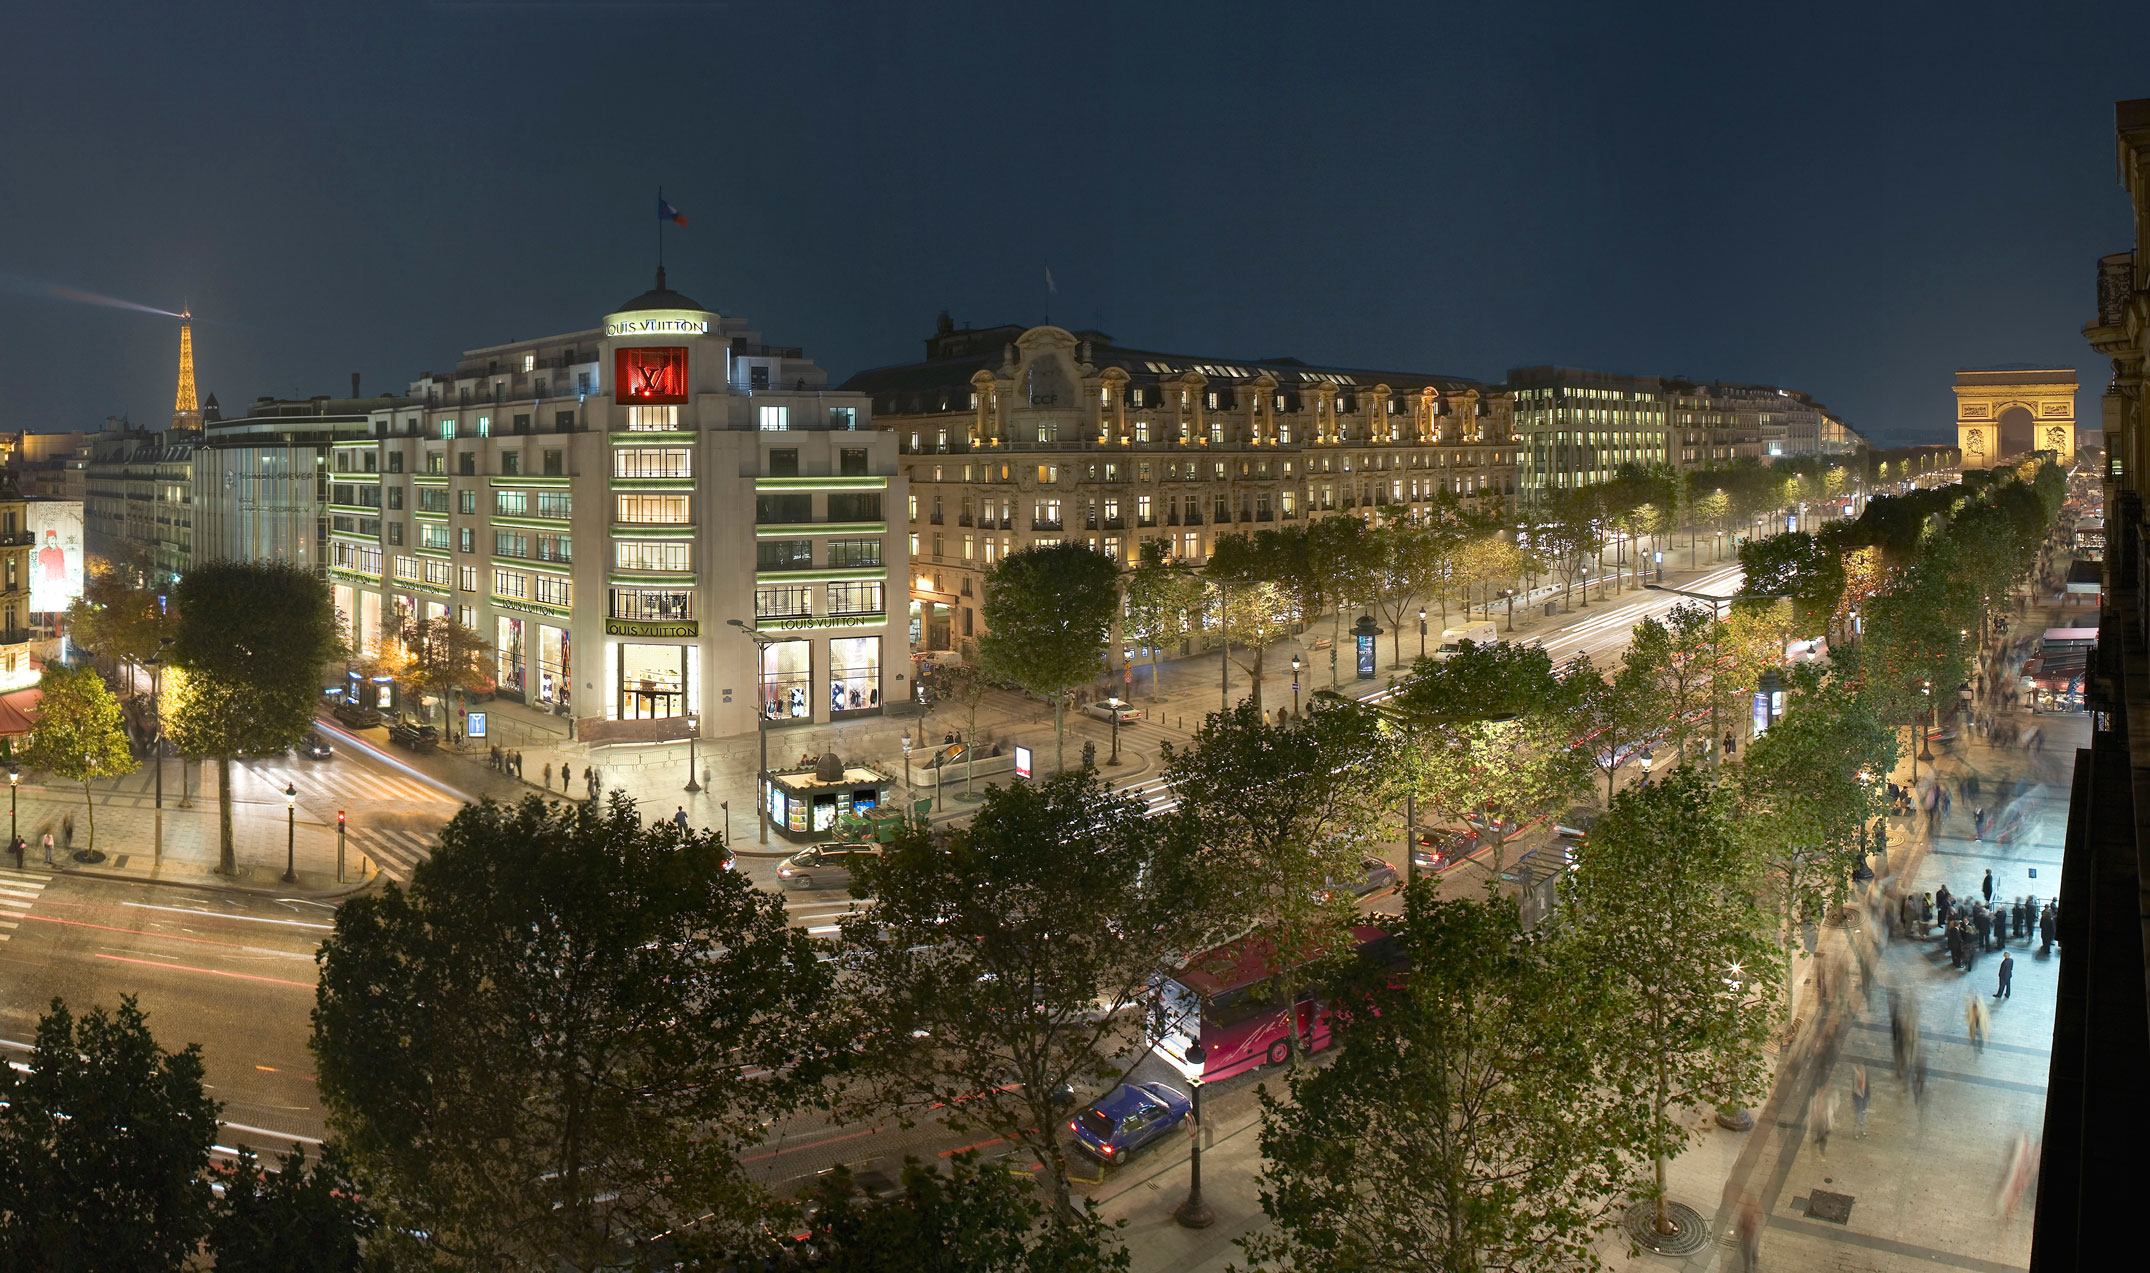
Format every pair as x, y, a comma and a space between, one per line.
1552, 608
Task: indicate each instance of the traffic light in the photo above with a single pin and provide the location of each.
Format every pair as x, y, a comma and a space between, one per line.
339, 819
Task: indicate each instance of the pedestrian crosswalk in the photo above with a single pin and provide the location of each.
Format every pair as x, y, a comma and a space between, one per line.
395, 851
19, 891
325, 786
819, 918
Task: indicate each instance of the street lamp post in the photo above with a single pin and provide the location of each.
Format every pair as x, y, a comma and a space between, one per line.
692, 785
291, 832
1114, 705
156, 742
1195, 1213
761, 728
14, 775
1510, 594
1422, 631
1646, 762
1295, 685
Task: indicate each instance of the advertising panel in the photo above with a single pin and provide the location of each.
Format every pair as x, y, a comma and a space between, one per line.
651, 375
55, 553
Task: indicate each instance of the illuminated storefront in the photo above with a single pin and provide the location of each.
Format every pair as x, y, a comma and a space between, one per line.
813, 804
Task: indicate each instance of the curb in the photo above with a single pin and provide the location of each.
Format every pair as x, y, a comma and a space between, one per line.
333, 894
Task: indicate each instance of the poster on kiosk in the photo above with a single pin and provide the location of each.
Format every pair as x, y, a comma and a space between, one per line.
55, 554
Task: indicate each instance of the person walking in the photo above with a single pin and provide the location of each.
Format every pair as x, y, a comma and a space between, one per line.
1987, 886
2008, 970
1750, 1234
1974, 1020
1861, 1095
67, 832
1978, 832
1821, 1118
2045, 929
679, 818
548, 775
1983, 922
48, 846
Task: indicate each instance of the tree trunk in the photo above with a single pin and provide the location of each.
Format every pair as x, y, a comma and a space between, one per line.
89, 809
1060, 720
227, 856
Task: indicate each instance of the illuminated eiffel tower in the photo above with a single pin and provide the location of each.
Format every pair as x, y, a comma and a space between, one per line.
186, 410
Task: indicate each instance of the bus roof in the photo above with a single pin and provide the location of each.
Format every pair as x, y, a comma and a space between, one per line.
1246, 961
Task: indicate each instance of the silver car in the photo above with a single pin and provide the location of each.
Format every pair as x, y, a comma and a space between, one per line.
824, 865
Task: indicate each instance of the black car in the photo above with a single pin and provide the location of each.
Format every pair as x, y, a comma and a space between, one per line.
316, 747
415, 735
356, 715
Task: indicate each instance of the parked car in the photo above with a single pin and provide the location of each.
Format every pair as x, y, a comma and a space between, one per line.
1107, 708
1375, 878
316, 747
824, 865
1127, 1118
356, 715
1437, 849
416, 735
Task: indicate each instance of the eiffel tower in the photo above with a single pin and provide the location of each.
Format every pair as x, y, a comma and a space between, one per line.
186, 410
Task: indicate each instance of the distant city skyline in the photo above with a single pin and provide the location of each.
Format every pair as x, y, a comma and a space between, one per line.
1793, 206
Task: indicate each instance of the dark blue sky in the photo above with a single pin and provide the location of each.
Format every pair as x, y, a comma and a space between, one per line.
1849, 200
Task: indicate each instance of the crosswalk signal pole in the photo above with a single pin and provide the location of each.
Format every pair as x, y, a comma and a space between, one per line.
340, 817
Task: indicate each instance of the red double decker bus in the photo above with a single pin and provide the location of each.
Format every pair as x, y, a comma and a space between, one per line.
1232, 1000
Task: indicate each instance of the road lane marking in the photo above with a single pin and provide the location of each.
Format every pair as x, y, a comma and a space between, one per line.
270, 1131
136, 932
213, 972
250, 919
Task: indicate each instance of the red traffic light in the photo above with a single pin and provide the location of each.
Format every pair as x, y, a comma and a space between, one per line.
339, 817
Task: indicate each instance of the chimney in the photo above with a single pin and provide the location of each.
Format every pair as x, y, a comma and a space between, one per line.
354, 384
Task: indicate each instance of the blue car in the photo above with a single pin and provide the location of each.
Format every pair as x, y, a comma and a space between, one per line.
1128, 1117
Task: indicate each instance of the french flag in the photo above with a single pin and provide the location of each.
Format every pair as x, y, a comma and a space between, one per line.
666, 212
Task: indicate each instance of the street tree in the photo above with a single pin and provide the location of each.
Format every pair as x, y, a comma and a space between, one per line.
1807, 792
1283, 812
442, 657
1492, 739
1411, 561
1614, 717
1252, 576
246, 667
565, 1029
104, 1147
119, 621
1048, 614
79, 736
1669, 664
1457, 1126
1662, 919
1807, 569
961, 692
1164, 601
1009, 960
1342, 554
973, 1219
296, 1215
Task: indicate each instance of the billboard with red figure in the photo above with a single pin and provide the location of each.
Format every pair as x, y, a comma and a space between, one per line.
55, 554
650, 375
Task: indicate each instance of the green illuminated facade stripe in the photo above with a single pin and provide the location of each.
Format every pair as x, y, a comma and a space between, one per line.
678, 578
519, 479
653, 484
430, 479
788, 529
637, 530
361, 510
654, 436
354, 477
561, 568
820, 483
869, 574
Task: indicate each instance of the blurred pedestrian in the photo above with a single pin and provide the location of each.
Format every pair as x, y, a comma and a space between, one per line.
1978, 832
67, 831
548, 774
1974, 1020
1750, 1233
1986, 886
2045, 929
18, 848
1821, 1119
1861, 1094
48, 847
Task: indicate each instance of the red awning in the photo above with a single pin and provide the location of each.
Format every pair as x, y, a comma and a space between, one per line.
18, 711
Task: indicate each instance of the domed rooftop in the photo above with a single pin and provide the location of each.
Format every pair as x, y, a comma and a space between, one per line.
659, 297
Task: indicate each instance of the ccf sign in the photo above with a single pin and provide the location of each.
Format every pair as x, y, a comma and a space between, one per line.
1022, 762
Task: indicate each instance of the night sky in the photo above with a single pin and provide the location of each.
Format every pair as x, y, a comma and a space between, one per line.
1851, 201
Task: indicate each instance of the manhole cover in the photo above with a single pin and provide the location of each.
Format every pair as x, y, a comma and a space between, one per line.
1689, 1234
1833, 1207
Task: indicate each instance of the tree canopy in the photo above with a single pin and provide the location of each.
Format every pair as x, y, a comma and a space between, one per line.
78, 735
567, 1026
1048, 613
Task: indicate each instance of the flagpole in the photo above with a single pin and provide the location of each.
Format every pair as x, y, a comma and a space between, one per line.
660, 228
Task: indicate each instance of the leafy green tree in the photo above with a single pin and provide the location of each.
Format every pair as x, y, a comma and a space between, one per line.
1413, 561
558, 1033
1458, 1126
1806, 568
1282, 811
301, 1215
1163, 602
1660, 915
1048, 615
1612, 716
1007, 961
104, 1145
1668, 664
974, 1219
442, 656
78, 735
252, 640
119, 621
1807, 791
1492, 738
1251, 576
1343, 556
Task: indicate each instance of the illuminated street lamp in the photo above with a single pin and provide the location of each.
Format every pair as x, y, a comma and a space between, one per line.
1647, 760
1294, 685
1422, 632
1195, 1213
291, 832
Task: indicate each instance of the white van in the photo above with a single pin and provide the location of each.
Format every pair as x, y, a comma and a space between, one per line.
1452, 639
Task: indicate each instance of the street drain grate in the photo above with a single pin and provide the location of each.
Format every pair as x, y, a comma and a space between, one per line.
1689, 1232
1833, 1207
